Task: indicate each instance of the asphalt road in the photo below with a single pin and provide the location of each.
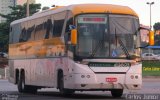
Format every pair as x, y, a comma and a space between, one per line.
150, 87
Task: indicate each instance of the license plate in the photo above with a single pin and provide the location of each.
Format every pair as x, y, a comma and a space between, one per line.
111, 79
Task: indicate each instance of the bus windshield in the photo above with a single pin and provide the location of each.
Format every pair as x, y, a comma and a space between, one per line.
107, 36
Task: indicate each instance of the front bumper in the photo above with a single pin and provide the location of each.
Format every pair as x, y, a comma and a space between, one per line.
98, 82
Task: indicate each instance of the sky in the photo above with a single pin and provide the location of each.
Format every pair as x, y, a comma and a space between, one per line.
139, 6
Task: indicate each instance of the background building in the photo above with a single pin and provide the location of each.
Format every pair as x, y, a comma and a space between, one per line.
21, 2
4, 8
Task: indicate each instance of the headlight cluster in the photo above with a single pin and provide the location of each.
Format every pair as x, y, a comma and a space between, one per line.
134, 77
85, 76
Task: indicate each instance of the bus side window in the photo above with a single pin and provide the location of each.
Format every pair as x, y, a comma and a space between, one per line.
29, 34
39, 29
68, 30
23, 32
16, 31
57, 28
11, 35
69, 22
48, 28
11, 29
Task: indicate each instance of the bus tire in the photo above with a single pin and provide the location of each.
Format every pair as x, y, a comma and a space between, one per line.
22, 88
62, 90
21, 83
117, 93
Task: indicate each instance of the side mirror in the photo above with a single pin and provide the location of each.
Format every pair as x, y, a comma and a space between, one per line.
151, 38
73, 36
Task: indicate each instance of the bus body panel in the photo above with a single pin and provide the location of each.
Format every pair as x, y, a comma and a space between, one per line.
84, 75
43, 72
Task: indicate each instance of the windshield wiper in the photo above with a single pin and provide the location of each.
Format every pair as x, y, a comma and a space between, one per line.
122, 46
98, 46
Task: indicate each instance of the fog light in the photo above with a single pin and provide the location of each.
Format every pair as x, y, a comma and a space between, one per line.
88, 76
82, 76
136, 77
132, 77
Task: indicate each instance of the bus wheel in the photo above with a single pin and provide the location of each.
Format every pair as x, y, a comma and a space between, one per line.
117, 93
21, 83
62, 90
22, 88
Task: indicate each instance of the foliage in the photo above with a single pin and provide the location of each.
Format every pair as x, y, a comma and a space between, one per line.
4, 28
156, 26
18, 12
157, 40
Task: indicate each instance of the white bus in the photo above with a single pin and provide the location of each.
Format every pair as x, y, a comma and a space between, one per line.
81, 47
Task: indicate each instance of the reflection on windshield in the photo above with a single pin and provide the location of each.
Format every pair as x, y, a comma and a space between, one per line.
123, 27
92, 35
96, 36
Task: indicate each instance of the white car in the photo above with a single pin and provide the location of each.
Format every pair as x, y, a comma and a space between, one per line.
150, 56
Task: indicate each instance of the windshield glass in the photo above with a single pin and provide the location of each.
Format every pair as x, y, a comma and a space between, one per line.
100, 35
123, 38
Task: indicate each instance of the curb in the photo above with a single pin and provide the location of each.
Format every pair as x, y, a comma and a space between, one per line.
151, 78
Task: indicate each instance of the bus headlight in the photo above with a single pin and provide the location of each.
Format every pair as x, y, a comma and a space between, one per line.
136, 77
88, 76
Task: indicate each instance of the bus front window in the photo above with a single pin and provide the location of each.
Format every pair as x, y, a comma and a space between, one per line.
98, 38
92, 33
122, 30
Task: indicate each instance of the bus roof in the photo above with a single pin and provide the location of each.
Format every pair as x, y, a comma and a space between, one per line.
101, 8
83, 8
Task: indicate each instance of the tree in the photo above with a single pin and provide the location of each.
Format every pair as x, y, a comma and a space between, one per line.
4, 28
3, 43
156, 26
18, 12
